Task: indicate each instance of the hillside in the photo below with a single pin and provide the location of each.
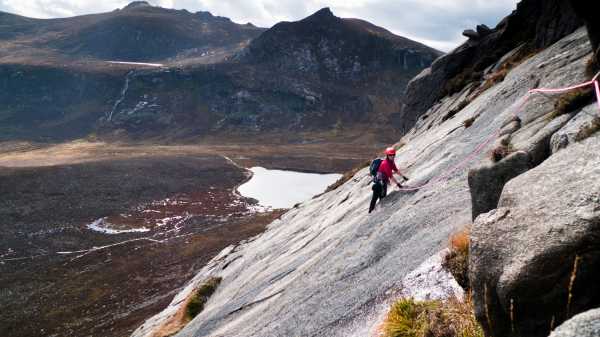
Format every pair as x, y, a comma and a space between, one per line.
138, 32
325, 267
323, 76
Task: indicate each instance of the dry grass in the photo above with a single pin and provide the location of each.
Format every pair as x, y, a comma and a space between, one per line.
451, 318
496, 77
588, 130
460, 81
194, 304
469, 121
592, 66
457, 260
572, 101
501, 152
463, 104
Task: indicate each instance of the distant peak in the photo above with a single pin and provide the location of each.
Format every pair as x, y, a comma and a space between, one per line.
322, 13
322, 16
136, 4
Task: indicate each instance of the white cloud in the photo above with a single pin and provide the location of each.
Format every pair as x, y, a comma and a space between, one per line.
437, 23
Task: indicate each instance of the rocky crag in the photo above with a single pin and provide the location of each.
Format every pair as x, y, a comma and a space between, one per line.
320, 268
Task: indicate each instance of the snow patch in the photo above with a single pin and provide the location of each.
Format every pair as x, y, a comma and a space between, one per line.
137, 63
100, 226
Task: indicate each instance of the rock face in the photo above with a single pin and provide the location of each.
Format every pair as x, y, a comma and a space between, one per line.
331, 48
585, 10
535, 258
535, 23
586, 324
318, 270
486, 182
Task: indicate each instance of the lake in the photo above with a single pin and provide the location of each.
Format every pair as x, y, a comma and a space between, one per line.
284, 189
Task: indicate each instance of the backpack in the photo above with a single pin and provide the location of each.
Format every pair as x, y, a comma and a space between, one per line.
374, 167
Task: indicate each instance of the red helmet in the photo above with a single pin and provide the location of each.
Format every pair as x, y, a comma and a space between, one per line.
390, 151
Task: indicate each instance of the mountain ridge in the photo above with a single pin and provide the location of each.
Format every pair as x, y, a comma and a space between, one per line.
322, 74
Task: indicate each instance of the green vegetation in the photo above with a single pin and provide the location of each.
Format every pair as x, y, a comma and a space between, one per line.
451, 318
572, 101
199, 299
457, 260
588, 130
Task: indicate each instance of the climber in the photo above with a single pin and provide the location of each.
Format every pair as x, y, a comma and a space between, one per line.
383, 172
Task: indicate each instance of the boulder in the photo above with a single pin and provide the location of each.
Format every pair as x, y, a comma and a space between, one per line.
535, 260
586, 324
483, 30
471, 34
586, 10
487, 181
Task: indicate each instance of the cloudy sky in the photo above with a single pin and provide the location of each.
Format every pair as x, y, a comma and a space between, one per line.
437, 23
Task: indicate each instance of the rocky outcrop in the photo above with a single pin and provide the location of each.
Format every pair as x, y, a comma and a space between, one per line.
535, 259
536, 23
586, 324
486, 182
586, 11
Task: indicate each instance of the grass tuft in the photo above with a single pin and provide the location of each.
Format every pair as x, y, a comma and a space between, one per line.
451, 318
197, 302
525, 53
592, 66
588, 130
501, 152
460, 81
463, 104
468, 122
572, 101
497, 77
457, 260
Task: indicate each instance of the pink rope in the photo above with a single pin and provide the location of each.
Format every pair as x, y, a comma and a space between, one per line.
488, 140
597, 87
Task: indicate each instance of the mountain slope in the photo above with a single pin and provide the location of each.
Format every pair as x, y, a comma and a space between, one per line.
316, 74
335, 48
322, 268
